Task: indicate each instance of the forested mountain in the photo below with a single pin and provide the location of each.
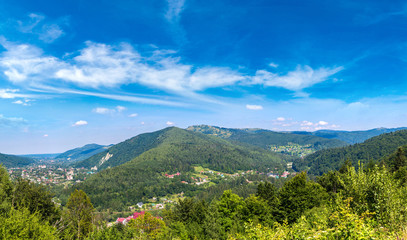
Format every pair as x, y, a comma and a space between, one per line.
81, 153
351, 137
373, 149
124, 151
10, 161
170, 150
265, 138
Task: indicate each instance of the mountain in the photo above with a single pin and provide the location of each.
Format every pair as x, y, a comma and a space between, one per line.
81, 153
139, 165
351, 137
266, 138
45, 156
11, 161
373, 149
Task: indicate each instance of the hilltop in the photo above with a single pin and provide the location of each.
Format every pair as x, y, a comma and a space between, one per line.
81, 153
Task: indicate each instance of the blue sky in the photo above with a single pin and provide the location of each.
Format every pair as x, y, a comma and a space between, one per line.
77, 72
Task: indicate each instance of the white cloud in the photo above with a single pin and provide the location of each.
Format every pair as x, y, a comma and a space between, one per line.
133, 115
254, 107
45, 135
169, 123
101, 65
120, 108
102, 110
175, 8
24, 103
80, 123
280, 119
273, 65
26, 63
297, 80
322, 123
306, 123
9, 93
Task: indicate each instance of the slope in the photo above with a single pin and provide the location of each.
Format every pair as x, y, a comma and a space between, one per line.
123, 152
178, 151
351, 137
11, 161
372, 149
81, 153
265, 138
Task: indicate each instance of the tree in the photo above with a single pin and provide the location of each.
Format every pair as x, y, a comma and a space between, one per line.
78, 216
6, 189
299, 195
35, 198
400, 160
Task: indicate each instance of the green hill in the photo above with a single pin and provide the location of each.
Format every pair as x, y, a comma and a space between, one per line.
266, 139
81, 153
11, 161
372, 149
124, 151
351, 137
169, 151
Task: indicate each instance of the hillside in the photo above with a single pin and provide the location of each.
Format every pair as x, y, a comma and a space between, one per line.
81, 153
267, 139
171, 150
124, 151
351, 137
11, 161
372, 149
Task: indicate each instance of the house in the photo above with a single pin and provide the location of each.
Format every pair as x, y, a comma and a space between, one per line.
135, 215
140, 204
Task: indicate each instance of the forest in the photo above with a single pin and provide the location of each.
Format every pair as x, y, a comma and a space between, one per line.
363, 202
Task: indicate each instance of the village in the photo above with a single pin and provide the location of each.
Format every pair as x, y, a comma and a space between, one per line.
50, 174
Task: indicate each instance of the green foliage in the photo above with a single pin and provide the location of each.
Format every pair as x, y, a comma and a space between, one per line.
299, 195
77, 219
6, 189
332, 159
21, 224
36, 199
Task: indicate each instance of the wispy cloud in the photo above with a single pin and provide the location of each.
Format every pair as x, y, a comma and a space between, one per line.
80, 123
11, 121
46, 31
169, 123
254, 107
11, 93
173, 16
302, 77
133, 115
175, 8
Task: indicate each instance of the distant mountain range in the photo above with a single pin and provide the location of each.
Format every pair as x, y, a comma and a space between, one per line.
373, 149
81, 153
265, 138
350, 137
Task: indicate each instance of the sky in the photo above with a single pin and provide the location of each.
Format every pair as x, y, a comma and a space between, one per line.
78, 72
